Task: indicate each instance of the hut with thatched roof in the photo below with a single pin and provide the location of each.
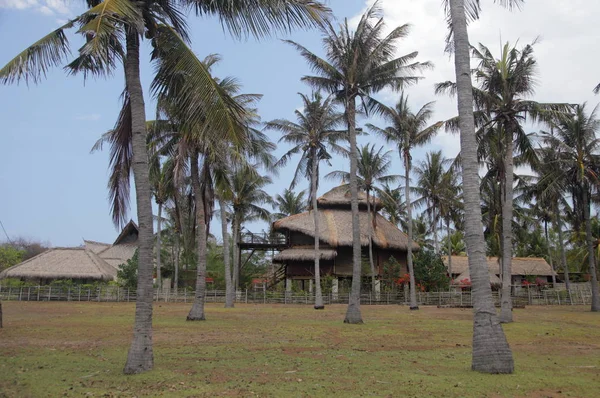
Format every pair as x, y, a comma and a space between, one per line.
523, 268
94, 261
335, 227
63, 263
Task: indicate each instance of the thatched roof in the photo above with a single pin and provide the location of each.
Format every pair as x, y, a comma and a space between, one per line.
118, 254
520, 265
335, 227
466, 275
63, 263
340, 197
94, 246
303, 254
128, 234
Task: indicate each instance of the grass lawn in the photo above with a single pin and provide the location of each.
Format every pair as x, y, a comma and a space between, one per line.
79, 349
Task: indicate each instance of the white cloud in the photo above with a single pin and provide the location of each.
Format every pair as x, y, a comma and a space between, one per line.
567, 62
58, 6
92, 117
46, 7
46, 10
18, 4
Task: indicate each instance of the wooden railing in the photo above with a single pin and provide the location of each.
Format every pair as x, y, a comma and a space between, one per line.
263, 238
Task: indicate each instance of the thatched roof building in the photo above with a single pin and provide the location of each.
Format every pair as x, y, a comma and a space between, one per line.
522, 266
335, 231
93, 261
63, 263
335, 223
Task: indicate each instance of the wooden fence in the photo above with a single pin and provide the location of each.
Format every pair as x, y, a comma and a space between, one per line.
524, 296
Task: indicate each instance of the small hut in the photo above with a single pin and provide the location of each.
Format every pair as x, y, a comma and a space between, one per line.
94, 261
522, 268
63, 263
335, 243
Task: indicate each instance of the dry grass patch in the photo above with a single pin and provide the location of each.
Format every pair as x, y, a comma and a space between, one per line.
75, 349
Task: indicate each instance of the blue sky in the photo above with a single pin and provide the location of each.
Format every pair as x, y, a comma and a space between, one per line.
54, 190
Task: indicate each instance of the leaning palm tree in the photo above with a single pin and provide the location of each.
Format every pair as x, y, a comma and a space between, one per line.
373, 166
357, 65
289, 203
578, 169
113, 31
408, 130
491, 352
313, 136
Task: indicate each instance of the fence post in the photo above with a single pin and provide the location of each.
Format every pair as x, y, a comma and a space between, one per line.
38, 293
246, 296
20, 293
79, 295
99, 293
185, 296
49, 292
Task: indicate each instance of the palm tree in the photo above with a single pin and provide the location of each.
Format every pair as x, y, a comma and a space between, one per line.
550, 196
491, 352
430, 178
247, 197
577, 170
289, 203
504, 86
314, 135
373, 166
408, 131
393, 205
359, 64
104, 26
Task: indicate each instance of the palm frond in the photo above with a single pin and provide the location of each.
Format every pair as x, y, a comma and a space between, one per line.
33, 63
261, 18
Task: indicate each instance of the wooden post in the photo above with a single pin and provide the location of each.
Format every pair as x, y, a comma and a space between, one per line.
79, 294
49, 292
20, 293
38, 293
0, 314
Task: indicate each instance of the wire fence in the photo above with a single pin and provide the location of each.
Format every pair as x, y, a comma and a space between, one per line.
579, 295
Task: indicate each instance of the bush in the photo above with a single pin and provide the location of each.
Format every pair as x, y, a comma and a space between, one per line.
127, 273
430, 271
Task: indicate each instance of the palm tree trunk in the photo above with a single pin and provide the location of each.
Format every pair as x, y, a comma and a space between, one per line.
563, 254
197, 311
507, 244
158, 248
177, 250
140, 357
436, 245
235, 227
449, 249
550, 254
590, 247
313, 192
491, 352
229, 292
370, 227
409, 255
353, 314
